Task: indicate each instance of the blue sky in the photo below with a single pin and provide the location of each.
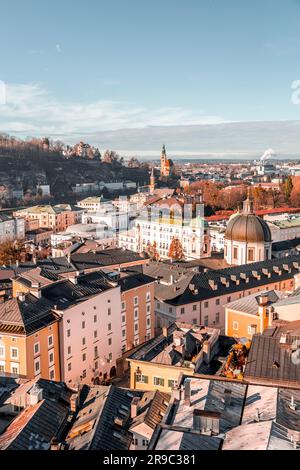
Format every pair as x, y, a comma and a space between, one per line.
74, 68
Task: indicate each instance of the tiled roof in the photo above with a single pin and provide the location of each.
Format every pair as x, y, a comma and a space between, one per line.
104, 258
37, 425
272, 361
266, 270
250, 303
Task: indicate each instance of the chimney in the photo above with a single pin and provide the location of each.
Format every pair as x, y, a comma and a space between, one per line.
277, 270
22, 296
235, 279
286, 268
165, 331
245, 277
256, 274
263, 300
35, 395
213, 284
266, 272
187, 392
134, 407
224, 281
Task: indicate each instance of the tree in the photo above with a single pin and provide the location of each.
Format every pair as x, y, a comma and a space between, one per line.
288, 188
176, 250
151, 250
10, 252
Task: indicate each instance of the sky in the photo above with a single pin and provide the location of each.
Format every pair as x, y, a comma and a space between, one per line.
89, 70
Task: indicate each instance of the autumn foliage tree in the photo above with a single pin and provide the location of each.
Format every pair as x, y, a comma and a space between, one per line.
176, 250
152, 251
10, 252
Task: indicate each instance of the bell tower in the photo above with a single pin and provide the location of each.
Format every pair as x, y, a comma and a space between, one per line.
152, 182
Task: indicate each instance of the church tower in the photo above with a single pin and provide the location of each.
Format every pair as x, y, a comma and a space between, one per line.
163, 161
152, 182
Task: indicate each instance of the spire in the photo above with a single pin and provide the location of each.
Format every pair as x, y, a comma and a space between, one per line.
248, 207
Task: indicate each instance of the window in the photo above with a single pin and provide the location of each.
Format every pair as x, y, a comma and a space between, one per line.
251, 254
69, 350
84, 374
170, 310
14, 369
109, 311
83, 341
136, 327
172, 383
194, 308
52, 374
51, 358
217, 318
95, 352
148, 309
142, 379
110, 356
148, 296
14, 353
2, 368
37, 367
205, 304
95, 334
217, 301
109, 341
136, 300
123, 318
158, 382
123, 333
69, 367
235, 252
2, 351
182, 311
50, 341
68, 333
206, 320
228, 299
145, 443
136, 313
83, 325
83, 357
109, 327
148, 322
235, 325
123, 306
95, 318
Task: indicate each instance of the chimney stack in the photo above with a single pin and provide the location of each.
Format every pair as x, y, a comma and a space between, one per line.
134, 407
187, 392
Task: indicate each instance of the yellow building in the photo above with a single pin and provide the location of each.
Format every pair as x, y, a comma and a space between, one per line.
250, 315
29, 339
181, 349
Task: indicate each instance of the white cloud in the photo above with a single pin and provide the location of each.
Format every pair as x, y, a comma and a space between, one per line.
30, 108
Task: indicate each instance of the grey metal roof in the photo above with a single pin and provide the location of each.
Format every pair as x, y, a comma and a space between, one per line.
201, 281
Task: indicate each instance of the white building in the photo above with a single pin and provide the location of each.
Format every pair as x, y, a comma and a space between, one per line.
181, 218
248, 238
11, 228
217, 238
91, 204
285, 229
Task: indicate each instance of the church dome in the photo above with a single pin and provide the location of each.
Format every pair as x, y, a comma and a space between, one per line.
247, 227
